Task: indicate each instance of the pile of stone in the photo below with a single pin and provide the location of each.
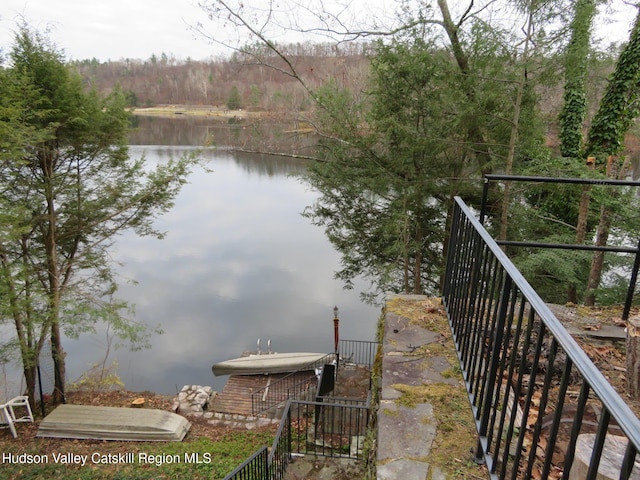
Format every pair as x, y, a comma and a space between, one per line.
193, 400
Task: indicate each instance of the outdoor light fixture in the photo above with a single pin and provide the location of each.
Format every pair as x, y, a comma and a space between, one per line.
336, 335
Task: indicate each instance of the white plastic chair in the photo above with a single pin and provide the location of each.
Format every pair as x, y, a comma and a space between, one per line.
9, 414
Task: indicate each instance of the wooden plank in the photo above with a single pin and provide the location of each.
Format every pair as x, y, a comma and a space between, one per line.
113, 423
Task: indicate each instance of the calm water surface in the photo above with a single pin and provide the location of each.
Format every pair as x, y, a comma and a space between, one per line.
238, 263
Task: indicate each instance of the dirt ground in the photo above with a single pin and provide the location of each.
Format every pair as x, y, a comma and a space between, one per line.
607, 352
122, 398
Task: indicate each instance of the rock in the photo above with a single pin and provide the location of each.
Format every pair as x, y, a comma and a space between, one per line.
201, 397
193, 400
612, 454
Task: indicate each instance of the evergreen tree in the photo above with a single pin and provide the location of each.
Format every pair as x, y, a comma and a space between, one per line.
391, 166
234, 102
68, 188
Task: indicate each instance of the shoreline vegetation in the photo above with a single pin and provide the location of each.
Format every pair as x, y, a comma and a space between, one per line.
175, 111
216, 112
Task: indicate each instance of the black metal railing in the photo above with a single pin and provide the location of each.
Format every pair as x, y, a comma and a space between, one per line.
541, 406
256, 467
358, 352
594, 248
293, 385
280, 455
330, 427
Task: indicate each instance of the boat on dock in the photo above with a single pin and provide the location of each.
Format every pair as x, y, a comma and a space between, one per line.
266, 363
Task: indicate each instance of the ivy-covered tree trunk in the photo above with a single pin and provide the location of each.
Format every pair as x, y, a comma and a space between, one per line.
618, 109
574, 108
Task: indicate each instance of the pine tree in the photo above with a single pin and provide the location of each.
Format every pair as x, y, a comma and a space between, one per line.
69, 187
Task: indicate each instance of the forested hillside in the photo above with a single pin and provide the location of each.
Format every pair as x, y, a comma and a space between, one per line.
166, 80
239, 81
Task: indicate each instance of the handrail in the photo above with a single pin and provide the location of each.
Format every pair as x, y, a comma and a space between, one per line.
255, 467
359, 352
514, 352
593, 248
277, 392
343, 422
280, 453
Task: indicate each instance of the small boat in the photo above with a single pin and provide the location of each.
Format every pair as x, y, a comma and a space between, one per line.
113, 423
266, 363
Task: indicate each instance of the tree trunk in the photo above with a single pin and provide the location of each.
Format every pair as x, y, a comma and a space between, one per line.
405, 246
576, 60
602, 235
595, 274
53, 268
613, 451
581, 227
633, 357
475, 135
417, 274
514, 129
30, 384
23, 332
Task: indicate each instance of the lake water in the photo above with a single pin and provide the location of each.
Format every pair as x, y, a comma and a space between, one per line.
238, 263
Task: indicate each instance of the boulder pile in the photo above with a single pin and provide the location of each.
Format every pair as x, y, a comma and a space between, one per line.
193, 400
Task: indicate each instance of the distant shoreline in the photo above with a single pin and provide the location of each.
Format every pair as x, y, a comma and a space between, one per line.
197, 111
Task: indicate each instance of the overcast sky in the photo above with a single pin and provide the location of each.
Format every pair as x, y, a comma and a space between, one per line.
117, 29
112, 29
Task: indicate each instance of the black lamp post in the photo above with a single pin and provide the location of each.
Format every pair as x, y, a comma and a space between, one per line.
336, 329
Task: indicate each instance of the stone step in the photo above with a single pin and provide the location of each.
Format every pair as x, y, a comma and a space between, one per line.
236, 394
235, 420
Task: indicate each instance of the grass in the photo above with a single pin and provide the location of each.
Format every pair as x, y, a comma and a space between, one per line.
200, 458
369, 452
455, 432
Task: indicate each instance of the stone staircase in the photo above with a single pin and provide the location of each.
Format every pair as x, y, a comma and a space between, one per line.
236, 394
311, 467
236, 420
235, 397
